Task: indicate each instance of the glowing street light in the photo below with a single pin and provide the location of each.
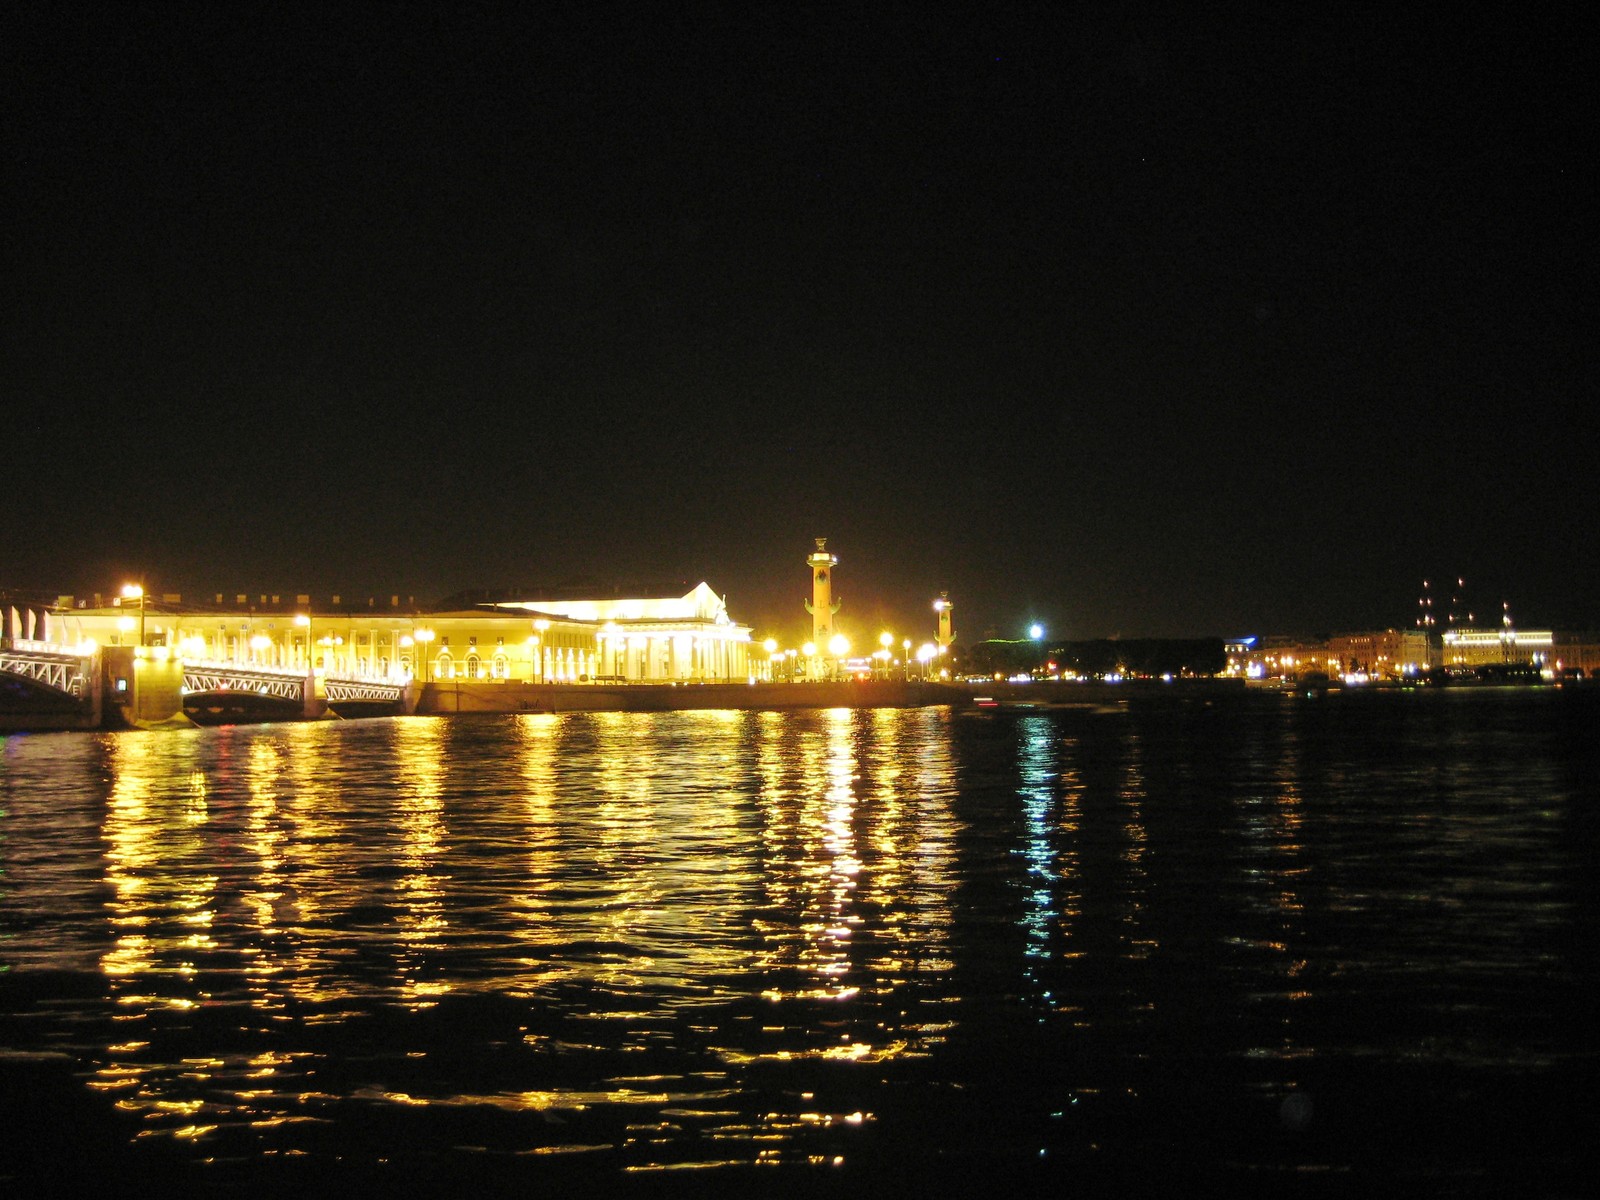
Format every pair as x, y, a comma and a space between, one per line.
133, 591
422, 638
1036, 631
303, 621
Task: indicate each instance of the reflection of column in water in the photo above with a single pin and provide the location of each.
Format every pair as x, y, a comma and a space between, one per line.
804, 770
860, 843
907, 781
812, 883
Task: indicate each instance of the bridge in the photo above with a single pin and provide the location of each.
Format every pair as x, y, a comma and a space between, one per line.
52, 670
48, 686
45, 686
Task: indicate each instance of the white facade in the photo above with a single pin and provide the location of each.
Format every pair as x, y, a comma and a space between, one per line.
655, 639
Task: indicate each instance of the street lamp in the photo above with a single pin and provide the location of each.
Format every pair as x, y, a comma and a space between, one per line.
542, 627
838, 646
304, 622
886, 640
132, 591
906, 661
422, 637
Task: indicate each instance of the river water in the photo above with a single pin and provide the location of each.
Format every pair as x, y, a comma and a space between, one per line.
1256, 942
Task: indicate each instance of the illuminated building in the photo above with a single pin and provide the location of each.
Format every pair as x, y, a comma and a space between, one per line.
655, 639
1480, 647
1275, 657
1384, 654
646, 639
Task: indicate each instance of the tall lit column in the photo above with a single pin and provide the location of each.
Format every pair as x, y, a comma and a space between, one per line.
946, 611
424, 640
822, 606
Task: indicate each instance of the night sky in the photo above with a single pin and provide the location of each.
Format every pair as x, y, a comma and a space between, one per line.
1243, 321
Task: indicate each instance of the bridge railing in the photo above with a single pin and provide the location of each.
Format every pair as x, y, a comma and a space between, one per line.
32, 646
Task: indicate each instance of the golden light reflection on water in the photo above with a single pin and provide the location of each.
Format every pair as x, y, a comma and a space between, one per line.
1272, 832
163, 899
419, 891
860, 842
691, 940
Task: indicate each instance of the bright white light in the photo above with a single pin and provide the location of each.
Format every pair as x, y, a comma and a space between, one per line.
1036, 631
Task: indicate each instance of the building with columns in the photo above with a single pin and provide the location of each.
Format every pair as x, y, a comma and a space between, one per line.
667, 639
663, 639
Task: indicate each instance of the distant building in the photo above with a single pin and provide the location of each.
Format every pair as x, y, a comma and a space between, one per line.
1276, 657
1576, 652
1468, 647
1386, 654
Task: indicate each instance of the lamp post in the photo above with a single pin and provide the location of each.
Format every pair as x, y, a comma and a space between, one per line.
133, 591
838, 647
304, 622
906, 662
423, 637
542, 627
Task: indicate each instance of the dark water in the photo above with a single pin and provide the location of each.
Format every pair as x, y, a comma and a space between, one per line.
1267, 945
